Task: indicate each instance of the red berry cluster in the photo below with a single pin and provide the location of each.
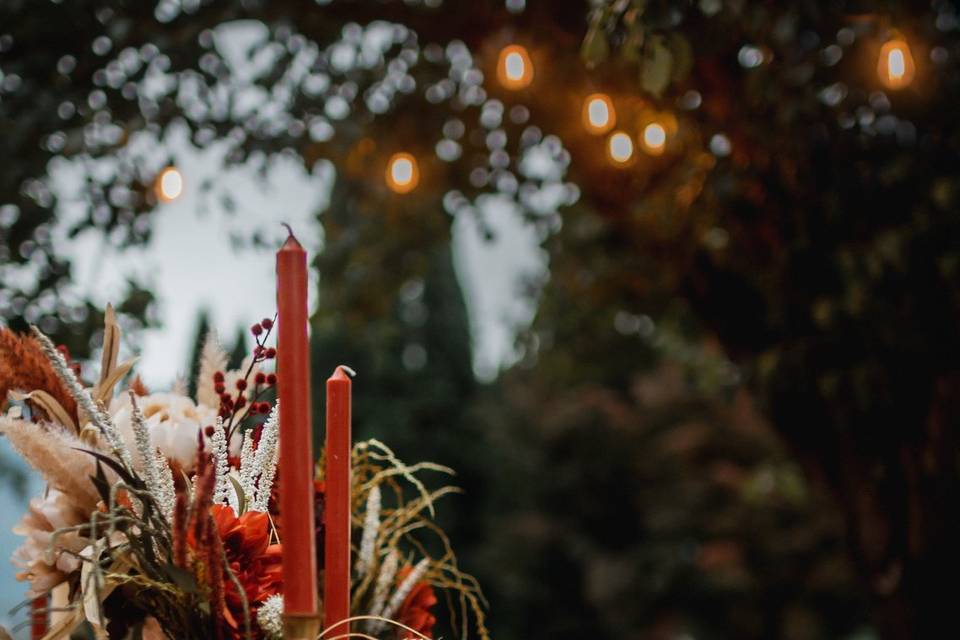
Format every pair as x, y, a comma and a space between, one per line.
264, 325
247, 402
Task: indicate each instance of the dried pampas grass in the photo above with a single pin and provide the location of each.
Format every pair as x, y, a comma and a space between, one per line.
57, 455
212, 359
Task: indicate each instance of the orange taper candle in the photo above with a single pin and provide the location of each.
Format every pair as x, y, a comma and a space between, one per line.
296, 455
336, 566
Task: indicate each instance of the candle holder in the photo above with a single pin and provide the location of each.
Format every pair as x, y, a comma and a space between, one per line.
300, 626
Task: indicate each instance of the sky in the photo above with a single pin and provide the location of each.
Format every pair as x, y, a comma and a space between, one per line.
192, 262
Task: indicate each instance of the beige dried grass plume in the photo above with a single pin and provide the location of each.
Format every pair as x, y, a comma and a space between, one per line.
212, 359
57, 455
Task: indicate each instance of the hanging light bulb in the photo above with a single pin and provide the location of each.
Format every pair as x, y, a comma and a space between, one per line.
620, 148
654, 138
514, 67
895, 65
599, 115
403, 175
169, 184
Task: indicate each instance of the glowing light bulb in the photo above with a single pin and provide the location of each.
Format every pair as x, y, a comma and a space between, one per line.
169, 184
514, 67
654, 138
620, 148
895, 65
403, 175
599, 116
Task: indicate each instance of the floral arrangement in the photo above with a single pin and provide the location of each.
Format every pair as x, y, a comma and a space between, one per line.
160, 517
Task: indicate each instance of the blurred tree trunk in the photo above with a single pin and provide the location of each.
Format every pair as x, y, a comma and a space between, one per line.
903, 521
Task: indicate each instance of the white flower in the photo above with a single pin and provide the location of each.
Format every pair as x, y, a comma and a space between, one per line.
44, 563
270, 617
175, 422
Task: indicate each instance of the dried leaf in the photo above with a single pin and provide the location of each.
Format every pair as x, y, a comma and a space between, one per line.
181, 577
101, 483
91, 584
241, 496
111, 349
104, 390
67, 625
117, 468
50, 406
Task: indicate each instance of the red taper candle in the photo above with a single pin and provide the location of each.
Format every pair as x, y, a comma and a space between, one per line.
336, 567
296, 454
38, 618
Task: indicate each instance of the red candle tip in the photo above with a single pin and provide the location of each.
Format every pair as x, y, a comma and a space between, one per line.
342, 372
291, 241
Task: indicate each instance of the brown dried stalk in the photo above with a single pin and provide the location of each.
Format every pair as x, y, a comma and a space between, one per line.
203, 496
216, 562
181, 517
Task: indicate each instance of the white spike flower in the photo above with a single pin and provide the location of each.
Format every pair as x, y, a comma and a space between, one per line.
265, 460
270, 617
371, 525
221, 490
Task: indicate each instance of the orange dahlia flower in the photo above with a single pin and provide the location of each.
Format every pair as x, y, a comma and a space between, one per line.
416, 610
255, 562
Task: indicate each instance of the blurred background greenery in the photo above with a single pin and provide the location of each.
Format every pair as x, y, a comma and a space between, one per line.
733, 413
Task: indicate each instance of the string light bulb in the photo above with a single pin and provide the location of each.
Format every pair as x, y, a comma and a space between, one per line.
514, 67
654, 138
895, 65
599, 116
620, 148
403, 174
169, 184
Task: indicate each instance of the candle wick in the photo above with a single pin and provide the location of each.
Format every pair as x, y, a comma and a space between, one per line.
289, 229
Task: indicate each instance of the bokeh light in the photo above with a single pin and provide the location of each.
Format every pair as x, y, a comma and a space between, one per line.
620, 148
895, 65
403, 175
599, 116
654, 138
169, 184
514, 67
